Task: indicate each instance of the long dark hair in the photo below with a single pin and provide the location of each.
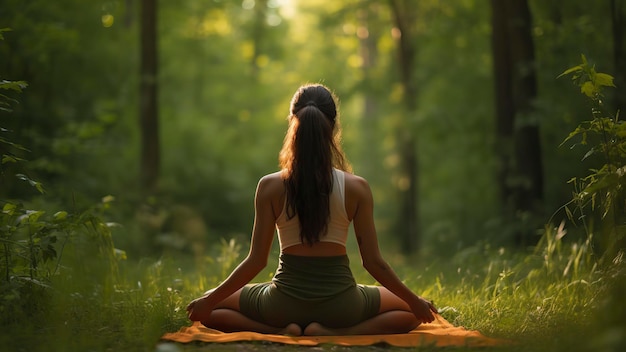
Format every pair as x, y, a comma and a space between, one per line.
311, 149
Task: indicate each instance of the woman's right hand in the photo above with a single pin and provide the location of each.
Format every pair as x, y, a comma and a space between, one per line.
199, 309
424, 310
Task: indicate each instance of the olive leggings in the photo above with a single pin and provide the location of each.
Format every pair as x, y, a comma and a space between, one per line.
310, 289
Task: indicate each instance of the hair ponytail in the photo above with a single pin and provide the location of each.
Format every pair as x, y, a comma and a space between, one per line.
310, 151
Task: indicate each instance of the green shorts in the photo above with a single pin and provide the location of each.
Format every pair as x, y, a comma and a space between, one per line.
310, 289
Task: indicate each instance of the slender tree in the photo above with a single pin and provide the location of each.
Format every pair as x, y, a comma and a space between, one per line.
503, 95
368, 34
258, 35
404, 14
520, 173
149, 122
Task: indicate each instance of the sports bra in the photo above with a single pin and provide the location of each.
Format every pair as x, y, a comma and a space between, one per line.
289, 229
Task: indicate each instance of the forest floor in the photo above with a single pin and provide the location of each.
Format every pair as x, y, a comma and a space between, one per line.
555, 298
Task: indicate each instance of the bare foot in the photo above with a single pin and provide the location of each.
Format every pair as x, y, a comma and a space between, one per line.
317, 329
292, 329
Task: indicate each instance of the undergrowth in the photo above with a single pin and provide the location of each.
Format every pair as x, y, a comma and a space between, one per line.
548, 299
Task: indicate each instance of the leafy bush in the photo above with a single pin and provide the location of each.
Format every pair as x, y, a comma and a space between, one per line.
599, 204
33, 242
33, 245
600, 196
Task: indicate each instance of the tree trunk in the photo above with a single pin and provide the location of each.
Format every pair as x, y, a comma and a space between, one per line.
149, 123
520, 173
129, 14
369, 54
408, 220
527, 139
258, 33
503, 97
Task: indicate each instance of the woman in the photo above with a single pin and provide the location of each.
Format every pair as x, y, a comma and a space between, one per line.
311, 202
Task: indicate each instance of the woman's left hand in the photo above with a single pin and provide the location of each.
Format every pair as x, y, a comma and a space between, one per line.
424, 310
199, 309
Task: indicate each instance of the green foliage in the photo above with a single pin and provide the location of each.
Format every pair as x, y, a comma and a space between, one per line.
591, 83
229, 256
226, 73
5, 100
9, 150
33, 246
602, 192
542, 300
76, 93
33, 243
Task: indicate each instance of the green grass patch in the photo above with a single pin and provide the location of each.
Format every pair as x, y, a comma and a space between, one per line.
555, 298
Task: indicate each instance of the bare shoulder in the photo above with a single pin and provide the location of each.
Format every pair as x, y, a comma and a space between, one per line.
358, 194
271, 185
356, 185
271, 179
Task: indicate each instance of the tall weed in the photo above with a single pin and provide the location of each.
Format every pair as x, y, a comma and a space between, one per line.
567, 293
599, 197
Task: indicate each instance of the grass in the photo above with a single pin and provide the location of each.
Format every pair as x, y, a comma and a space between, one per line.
555, 298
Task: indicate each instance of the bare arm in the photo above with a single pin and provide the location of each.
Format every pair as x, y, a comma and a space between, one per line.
255, 261
372, 259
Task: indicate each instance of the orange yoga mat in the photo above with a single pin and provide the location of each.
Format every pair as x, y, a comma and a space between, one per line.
439, 333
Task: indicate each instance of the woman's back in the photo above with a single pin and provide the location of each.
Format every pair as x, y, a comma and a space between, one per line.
353, 193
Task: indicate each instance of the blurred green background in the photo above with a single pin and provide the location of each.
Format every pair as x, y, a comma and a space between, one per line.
226, 72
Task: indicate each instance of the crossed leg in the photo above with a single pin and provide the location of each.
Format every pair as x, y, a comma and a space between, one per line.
227, 317
394, 317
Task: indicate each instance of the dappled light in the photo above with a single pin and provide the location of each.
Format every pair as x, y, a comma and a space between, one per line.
212, 23
107, 20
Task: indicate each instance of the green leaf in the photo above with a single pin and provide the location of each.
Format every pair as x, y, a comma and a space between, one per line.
589, 153
13, 85
119, 254
9, 208
48, 253
31, 216
603, 80
7, 100
573, 134
60, 215
610, 180
621, 130
108, 199
588, 89
8, 159
14, 145
2, 30
570, 70
37, 185
569, 213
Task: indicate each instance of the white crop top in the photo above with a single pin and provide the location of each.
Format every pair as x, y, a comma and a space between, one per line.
289, 229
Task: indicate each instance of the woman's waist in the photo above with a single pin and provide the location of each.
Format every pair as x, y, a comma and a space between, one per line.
313, 277
319, 249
